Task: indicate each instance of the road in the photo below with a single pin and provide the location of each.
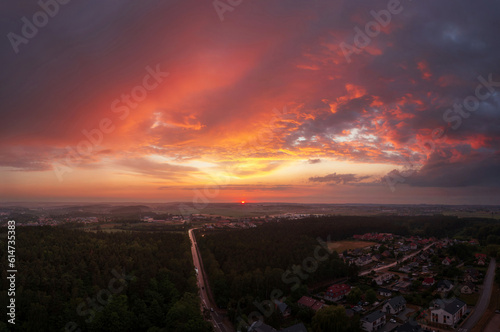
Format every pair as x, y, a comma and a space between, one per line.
484, 298
218, 321
388, 266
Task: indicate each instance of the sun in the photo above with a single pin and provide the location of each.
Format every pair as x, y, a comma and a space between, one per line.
242, 202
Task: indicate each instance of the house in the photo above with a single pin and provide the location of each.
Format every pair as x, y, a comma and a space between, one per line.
449, 312
413, 246
373, 321
383, 278
480, 256
363, 260
308, 302
402, 286
387, 254
467, 288
337, 292
480, 262
428, 282
394, 305
384, 292
283, 308
410, 326
446, 261
472, 275
444, 286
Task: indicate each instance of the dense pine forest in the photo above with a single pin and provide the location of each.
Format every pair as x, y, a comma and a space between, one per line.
70, 280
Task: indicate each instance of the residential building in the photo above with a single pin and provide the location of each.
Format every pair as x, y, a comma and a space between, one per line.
363, 260
337, 292
383, 278
394, 305
428, 282
373, 321
308, 302
467, 288
283, 308
384, 292
444, 286
449, 312
446, 261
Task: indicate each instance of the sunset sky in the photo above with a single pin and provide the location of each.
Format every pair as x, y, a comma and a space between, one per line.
262, 101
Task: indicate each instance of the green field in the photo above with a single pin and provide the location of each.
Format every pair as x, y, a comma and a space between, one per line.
340, 246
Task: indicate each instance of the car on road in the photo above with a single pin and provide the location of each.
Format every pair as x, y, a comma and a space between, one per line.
212, 309
392, 320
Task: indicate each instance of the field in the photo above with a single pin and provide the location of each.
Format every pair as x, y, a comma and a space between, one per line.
340, 246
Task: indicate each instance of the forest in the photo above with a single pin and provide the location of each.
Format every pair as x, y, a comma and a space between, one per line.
70, 280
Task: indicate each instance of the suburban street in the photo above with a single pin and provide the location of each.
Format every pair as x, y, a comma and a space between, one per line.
484, 298
388, 266
217, 320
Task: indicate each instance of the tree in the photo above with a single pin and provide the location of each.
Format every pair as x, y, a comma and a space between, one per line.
354, 295
353, 271
331, 318
371, 296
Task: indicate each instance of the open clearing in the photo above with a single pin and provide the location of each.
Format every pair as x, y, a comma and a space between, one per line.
340, 246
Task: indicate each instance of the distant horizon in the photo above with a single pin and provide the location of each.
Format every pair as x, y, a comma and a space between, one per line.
237, 203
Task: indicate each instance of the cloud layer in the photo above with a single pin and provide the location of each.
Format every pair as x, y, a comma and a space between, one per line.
266, 93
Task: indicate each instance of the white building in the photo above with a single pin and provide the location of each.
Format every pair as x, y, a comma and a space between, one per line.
448, 313
373, 321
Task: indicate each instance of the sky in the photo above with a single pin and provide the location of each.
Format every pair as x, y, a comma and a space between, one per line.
313, 101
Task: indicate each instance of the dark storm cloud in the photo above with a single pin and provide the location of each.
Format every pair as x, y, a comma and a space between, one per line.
475, 170
338, 178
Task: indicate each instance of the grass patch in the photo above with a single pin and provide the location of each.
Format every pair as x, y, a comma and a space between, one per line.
470, 299
340, 246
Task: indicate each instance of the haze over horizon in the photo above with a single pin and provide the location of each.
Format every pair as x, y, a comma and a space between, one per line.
164, 101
